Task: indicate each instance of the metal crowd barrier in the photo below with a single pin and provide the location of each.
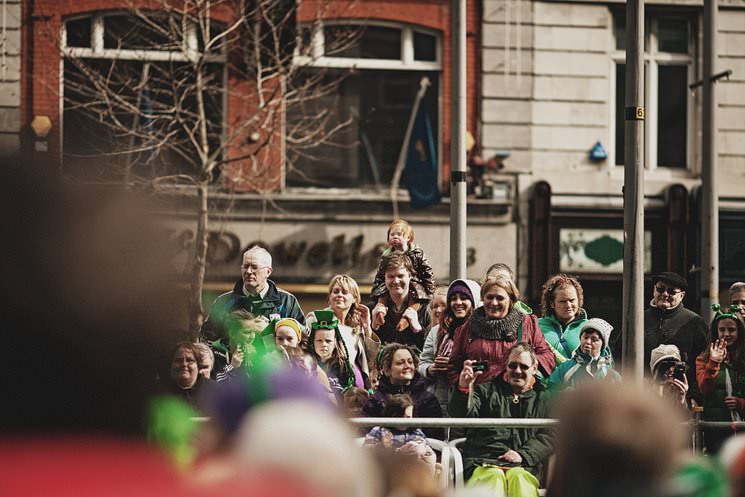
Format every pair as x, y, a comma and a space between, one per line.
456, 422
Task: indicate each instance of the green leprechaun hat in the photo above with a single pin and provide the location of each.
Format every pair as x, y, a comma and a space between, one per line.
325, 320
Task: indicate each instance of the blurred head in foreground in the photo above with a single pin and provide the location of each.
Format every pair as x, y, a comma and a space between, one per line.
85, 305
614, 440
319, 449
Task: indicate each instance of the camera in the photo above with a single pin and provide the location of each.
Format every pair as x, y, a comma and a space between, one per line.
480, 366
671, 369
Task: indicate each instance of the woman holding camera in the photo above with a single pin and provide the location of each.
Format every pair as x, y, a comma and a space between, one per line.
720, 374
493, 329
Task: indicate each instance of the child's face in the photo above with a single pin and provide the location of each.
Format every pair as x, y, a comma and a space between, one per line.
284, 336
398, 239
409, 412
324, 344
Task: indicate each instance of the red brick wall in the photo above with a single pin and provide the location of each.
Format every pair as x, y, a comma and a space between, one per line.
42, 78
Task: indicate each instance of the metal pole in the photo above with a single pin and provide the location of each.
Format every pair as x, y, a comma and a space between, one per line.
458, 142
633, 195
710, 208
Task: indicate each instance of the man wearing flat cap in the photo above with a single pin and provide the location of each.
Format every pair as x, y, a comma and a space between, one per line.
668, 322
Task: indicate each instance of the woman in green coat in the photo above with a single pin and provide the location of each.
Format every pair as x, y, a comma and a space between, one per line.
563, 316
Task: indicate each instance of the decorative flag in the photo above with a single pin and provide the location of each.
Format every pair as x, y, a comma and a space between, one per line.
420, 172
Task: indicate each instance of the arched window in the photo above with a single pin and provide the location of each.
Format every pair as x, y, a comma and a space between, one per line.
376, 70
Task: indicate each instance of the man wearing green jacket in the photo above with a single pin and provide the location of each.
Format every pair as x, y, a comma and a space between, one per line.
507, 459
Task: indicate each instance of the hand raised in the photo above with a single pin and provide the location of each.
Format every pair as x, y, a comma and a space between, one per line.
718, 350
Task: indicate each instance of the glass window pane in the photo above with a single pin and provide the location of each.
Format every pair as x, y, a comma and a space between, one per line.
129, 32
78, 33
673, 35
672, 120
364, 155
620, 121
364, 42
425, 47
619, 32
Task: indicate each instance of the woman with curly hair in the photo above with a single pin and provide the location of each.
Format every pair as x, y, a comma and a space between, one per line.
398, 367
562, 315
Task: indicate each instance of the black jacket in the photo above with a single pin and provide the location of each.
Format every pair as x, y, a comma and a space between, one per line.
680, 327
277, 301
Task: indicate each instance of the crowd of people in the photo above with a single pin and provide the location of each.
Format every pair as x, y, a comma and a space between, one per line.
253, 405
471, 349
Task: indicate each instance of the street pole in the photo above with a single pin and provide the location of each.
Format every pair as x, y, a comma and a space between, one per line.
633, 195
710, 197
458, 142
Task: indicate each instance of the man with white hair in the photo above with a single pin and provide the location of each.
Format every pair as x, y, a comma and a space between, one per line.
254, 292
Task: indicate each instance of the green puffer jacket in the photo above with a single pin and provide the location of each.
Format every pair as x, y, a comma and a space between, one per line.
495, 399
563, 340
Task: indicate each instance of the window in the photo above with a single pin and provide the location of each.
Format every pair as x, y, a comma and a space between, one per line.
669, 48
131, 101
375, 71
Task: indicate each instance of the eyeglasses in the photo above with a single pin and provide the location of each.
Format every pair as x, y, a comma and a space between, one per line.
670, 291
515, 365
252, 267
737, 302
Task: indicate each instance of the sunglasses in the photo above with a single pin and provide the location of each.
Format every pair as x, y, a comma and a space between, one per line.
738, 302
670, 291
515, 365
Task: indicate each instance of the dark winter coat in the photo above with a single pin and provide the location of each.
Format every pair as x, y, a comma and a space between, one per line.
389, 334
425, 403
276, 302
680, 327
495, 399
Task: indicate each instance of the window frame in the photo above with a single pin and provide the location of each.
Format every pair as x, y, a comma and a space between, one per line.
653, 59
406, 63
97, 51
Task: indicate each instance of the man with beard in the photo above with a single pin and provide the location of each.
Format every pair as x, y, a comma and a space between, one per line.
509, 460
667, 321
255, 293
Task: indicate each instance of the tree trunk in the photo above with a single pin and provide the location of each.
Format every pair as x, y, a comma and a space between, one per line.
196, 313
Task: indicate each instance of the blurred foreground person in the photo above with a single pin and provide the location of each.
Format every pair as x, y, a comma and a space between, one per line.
615, 441
318, 449
84, 285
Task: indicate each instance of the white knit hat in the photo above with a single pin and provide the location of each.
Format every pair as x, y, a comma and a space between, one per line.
664, 351
601, 326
